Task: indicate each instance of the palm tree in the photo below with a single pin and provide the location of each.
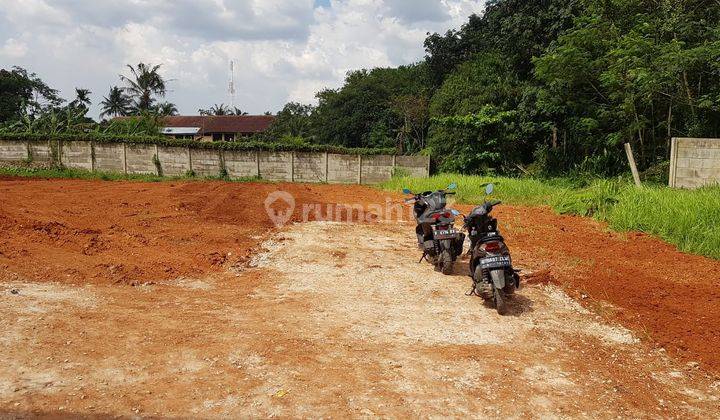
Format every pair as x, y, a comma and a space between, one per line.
116, 104
166, 109
216, 109
82, 98
144, 82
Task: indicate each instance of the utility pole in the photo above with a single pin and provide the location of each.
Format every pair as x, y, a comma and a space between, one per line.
231, 85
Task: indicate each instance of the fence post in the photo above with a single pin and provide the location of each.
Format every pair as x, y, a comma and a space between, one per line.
359, 180
327, 167
673, 162
189, 150
92, 156
292, 166
633, 167
221, 162
158, 167
257, 162
60, 152
124, 157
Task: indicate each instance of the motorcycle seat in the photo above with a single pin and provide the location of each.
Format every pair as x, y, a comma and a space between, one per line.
491, 238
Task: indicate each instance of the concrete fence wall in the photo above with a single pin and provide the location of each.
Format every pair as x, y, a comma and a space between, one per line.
175, 161
694, 162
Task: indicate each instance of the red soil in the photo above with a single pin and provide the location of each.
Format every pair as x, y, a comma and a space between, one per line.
98, 232
661, 293
134, 233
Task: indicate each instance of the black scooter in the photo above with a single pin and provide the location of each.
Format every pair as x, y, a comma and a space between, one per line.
490, 261
437, 237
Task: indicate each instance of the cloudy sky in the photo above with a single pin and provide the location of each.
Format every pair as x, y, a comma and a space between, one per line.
283, 49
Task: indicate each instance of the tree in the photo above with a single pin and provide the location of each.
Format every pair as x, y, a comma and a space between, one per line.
215, 110
361, 113
632, 71
414, 111
24, 94
82, 98
81, 103
143, 84
166, 109
116, 104
516, 29
471, 143
293, 120
486, 79
220, 110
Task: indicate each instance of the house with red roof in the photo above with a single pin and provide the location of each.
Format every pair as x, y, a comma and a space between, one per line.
215, 127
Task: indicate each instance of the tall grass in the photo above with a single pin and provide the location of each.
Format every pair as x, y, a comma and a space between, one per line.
688, 219
470, 188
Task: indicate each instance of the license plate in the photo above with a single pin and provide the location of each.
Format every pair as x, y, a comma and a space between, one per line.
445, 234
495, 262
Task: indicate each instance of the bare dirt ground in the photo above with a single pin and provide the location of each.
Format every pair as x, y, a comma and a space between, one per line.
213, 313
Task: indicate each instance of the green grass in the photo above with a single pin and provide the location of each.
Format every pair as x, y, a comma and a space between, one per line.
685, 218
470, 190
688, 219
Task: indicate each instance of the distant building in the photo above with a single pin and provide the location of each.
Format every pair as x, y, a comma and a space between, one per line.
215, 128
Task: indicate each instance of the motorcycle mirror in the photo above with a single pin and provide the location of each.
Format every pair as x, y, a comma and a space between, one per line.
406, 191
489, 189
452, 186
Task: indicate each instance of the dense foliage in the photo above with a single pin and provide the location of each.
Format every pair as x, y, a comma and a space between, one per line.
573, 79
23, 93
29, 105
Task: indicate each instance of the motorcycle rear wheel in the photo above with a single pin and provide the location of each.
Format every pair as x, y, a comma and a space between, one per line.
500, 303
446, 262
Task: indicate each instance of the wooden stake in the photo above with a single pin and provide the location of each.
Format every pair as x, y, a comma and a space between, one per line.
633, 167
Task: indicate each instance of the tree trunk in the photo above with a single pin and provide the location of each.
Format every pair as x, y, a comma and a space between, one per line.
669, 130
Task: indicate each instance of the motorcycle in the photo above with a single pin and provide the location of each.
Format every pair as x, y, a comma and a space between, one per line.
437, 237
490, 262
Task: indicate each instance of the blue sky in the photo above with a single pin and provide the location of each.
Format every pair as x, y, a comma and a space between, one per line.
284, 50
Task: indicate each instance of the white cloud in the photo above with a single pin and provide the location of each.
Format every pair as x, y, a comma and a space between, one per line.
13, 49
283, 49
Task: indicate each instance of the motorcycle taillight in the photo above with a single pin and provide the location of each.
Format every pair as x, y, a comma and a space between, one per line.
446, 215
493, 247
